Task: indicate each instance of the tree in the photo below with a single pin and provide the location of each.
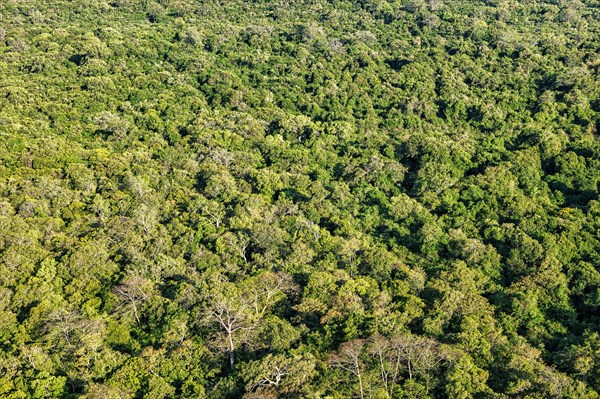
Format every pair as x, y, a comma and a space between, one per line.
227, 308
132, 293
348, 359
280, 373
266, 289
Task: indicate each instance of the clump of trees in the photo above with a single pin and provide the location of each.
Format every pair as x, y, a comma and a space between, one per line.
369, 199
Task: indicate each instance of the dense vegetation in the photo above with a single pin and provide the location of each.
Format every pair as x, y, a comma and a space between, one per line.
330, 199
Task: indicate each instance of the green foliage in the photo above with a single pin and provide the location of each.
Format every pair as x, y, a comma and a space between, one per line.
374, 199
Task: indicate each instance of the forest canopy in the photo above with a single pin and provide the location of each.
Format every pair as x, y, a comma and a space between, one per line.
315, 199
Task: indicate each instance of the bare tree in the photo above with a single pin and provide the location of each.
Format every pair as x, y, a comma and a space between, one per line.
389, 362
419, 354
264, 290
62, 326
408, 353
274, 377
238, 243
227, 309
147, 217
132, 293
236, 310
214, 210
279, 373
348, 359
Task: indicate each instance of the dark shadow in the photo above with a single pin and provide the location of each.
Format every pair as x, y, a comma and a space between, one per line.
75, 386
77, 59
105, 134
396, 64
201, 182
24, 313
573, 198
170, 286
292, 194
